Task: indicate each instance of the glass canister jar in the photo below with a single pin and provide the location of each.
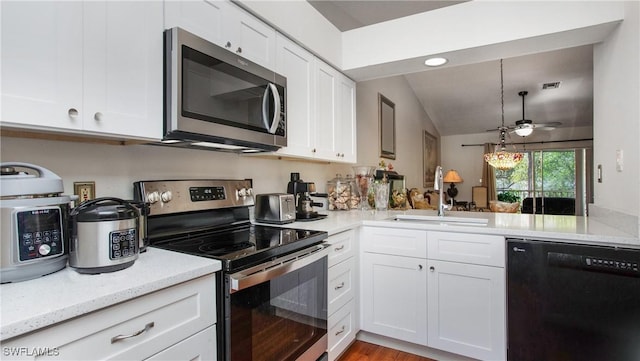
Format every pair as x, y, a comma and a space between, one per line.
339, 194
354, 201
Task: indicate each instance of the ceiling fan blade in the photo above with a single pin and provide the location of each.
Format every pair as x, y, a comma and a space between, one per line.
547, 125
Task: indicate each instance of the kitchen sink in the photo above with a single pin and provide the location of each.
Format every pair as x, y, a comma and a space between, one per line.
446, 220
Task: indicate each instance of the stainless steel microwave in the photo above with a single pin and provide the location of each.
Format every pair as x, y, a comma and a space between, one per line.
215, 99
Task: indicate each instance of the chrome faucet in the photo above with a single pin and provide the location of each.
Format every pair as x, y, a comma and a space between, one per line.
439, 186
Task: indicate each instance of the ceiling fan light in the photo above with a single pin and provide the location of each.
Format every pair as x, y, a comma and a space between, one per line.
524, 130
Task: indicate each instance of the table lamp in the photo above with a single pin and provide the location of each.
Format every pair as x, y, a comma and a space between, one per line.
452, 177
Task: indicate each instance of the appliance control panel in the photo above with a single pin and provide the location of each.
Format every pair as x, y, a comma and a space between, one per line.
623, 266
39, 232
179, 196
123, 243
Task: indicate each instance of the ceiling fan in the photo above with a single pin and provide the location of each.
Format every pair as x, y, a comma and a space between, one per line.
524, 127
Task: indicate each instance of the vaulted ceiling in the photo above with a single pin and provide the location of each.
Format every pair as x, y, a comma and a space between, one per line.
466, 99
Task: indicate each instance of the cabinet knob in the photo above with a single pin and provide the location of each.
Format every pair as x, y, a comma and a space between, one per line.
239, 51
314, 150
98, 116
73, 113
420, 267
432, 268
227, 45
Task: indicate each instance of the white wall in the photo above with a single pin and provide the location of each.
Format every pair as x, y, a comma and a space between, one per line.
616, 111
468, 160
617, 114
115, 168
411, 121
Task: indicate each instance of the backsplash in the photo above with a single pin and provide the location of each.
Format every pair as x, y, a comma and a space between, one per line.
115, 168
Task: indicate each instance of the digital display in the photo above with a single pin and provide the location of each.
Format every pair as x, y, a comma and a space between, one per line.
39, 233
199, 194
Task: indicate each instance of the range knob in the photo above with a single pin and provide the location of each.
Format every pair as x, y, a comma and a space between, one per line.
166, 196
44, 249
242, 192
153, 197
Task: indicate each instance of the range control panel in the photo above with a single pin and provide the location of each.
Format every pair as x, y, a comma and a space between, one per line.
39, 233
179, 196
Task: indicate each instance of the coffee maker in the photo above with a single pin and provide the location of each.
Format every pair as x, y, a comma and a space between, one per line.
302, 192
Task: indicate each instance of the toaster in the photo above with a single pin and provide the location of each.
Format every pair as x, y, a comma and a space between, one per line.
279, 208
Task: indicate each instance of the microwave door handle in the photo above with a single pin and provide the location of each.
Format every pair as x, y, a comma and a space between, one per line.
271, 88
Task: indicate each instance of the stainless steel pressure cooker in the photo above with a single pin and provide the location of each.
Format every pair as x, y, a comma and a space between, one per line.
33, 217
104, 235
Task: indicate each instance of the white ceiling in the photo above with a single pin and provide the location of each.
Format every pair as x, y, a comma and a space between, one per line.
466, 99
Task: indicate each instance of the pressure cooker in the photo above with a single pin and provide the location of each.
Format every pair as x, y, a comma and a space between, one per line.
34, 215
105, 235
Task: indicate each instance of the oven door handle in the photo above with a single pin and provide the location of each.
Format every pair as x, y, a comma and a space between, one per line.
281, 266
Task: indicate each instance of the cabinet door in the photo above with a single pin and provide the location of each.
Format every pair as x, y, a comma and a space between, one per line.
394, 297
42, 64
346, 144
250, 37
326, 83
201, 346
123, 68
298, 66
467, 309
204, 18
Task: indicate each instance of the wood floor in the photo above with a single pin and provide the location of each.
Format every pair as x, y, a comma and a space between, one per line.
364, 351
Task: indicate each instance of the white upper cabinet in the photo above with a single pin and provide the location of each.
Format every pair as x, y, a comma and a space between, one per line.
42, 64
92, 67
321, 121
298, 66
225, 25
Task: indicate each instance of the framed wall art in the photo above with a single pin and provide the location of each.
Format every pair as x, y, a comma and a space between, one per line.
430, 158
387, 119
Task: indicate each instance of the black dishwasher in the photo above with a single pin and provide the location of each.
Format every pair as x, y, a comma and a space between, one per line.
572, 302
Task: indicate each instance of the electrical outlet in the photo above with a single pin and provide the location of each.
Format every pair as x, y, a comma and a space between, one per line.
84, 190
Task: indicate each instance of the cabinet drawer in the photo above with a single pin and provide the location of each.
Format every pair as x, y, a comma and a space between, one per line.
342, 247
399, 242
169, 316
342, 330
341, 282
201, 346
467, 248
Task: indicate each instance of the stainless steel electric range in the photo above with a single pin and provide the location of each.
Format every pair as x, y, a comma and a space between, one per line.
272, 291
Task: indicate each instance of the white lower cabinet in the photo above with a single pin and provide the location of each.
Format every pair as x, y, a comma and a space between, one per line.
466, 309
394, 296
443, 290
342, 323
133, 330
467, 294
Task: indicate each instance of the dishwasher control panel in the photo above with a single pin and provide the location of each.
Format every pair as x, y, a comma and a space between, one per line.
612, 264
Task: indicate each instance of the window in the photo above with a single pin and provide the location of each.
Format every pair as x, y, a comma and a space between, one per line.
548, 173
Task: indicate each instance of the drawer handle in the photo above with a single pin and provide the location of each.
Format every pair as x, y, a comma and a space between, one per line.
341, 330
339, 248
146, 328
339, 286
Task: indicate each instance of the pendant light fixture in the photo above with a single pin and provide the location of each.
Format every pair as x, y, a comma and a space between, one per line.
503, 159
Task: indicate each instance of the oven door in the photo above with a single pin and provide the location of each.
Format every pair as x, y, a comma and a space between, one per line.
278, 310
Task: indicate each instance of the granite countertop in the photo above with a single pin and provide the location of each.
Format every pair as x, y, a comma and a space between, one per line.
30, 305
550, 227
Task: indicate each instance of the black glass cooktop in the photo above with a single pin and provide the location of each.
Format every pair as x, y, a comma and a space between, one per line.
245, 246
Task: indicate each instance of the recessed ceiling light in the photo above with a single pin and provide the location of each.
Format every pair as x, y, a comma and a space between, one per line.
435, 61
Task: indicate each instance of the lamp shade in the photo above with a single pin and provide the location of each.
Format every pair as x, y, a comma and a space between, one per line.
452, 177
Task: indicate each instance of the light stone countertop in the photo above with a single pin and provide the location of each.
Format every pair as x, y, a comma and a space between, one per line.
573, 229
30, 305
